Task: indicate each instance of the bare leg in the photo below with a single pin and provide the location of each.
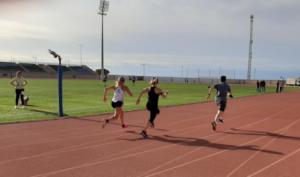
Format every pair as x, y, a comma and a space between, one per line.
218, 116
122, 117
217, 120
144, 131
148, 125
112, 118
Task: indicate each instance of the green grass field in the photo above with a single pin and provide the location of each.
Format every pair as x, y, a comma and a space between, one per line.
84, 97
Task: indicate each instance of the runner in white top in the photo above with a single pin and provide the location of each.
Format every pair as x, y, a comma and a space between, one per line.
118, 95
117, 101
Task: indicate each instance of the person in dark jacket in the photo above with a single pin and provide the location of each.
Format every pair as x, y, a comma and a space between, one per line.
263, 86
258, 86
277, 86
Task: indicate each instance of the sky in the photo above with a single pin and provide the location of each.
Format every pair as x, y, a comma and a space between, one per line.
157, 37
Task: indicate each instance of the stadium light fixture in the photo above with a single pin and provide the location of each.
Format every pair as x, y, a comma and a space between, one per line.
60, 77
103, 9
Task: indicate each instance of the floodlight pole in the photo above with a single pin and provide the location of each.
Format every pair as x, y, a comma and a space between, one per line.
60, 84
250, 48
102, 48
103, 8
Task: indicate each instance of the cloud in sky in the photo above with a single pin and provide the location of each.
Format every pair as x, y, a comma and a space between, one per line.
198, 34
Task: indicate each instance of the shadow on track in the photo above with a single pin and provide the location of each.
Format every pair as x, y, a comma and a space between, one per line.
261, 133
184, 141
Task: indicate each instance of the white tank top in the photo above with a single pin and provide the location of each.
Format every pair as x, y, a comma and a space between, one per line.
118, 95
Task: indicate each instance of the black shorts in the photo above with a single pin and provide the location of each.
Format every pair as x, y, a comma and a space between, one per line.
152, 108
222, 105
117, 104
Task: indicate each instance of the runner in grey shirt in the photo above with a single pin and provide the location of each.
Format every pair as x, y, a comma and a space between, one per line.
223, 90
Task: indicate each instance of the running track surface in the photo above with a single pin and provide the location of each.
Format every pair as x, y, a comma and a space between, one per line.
260, 138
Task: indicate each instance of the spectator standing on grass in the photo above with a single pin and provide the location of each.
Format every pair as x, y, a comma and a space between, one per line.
133, 80
277, 86
19, 83
258, 86
263, 86
281, 86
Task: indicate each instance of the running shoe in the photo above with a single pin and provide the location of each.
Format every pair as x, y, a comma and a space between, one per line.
105, 122
214, 125
144, 134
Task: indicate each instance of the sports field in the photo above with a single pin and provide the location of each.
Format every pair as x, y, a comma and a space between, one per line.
84, 97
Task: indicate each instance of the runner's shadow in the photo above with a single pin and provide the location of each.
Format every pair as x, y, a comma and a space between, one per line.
185, 141
261, 133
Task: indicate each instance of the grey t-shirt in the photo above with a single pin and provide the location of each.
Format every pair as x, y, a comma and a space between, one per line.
222, 91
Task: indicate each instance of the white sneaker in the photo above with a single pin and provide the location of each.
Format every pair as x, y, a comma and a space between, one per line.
22, 107
16, 107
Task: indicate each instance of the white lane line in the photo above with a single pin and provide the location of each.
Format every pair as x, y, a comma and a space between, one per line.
274, 163
255, 154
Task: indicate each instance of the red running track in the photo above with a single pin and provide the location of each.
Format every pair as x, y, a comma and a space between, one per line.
260, 138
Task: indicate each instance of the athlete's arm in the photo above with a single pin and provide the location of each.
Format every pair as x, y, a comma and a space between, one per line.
209, 93
230, 93
159, 91
12, 82
145, 90
106, 90
128, 91
25, 82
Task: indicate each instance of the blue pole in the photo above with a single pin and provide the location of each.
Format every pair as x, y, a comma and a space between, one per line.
60, 91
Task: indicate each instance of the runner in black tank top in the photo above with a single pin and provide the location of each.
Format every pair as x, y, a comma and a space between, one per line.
152, 104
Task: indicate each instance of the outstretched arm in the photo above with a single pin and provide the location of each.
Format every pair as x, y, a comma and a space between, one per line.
106, 90
164, 94
209, 92
145, 90
128, 91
